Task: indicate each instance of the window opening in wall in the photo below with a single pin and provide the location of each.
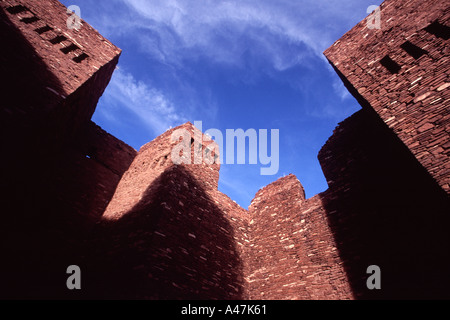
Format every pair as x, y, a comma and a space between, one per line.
70, 48
390, 65
91, 152
80, 58
439, 30
413, 50
43, 29
17, 9
29, 19
58, 39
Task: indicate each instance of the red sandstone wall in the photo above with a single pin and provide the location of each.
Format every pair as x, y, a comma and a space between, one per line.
413, 97
87, 172
154, 158
46, 108
383, 208
168, 233
67, 69
49, 206
292, 254
46, 82
52, 193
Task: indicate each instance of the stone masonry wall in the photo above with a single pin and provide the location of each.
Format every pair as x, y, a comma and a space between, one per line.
44, 25
85, 175
50, 92
141, 226
60, 74
292, 254
60, 169
384, 209
401, 71
168, 233
50, 206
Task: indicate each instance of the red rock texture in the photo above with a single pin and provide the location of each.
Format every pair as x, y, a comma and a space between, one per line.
153, 159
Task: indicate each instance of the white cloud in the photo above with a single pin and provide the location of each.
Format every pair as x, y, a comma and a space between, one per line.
148, 103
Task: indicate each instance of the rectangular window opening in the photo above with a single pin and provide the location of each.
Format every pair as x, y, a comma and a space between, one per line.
43, 29
439, 30
17, 9
80, 58
390, 65
58, 39
70, 48
413, 50
29, 20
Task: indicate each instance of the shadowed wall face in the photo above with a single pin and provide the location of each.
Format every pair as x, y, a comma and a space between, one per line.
168, 233
292, 254
388, 167
175, 244
153, 159
59, 175
385, 209
49, 88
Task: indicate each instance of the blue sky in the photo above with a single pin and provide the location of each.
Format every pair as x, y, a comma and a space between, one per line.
230, 64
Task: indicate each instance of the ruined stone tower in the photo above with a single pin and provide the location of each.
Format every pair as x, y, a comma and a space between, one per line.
142, 227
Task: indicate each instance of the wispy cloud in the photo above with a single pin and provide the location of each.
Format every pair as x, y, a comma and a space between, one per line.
223, 31
256, 36
227, 63
228, 31
148, 103
340, 89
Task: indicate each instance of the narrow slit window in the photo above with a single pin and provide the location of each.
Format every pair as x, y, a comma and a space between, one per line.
390, 65
413, 50
80, 58
58, 39
439, 30
70, 48
17, 9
